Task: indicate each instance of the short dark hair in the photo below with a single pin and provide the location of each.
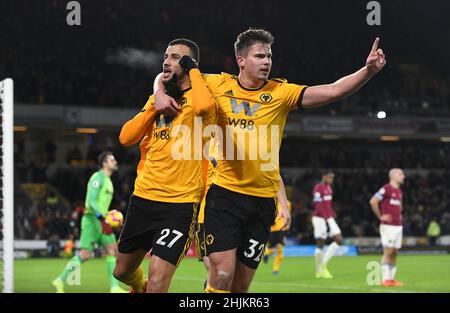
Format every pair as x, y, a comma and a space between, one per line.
250, 37
195, 50
327, 172
102, 157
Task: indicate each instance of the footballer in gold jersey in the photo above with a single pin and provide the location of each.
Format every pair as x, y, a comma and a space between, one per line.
251, 108
162, 211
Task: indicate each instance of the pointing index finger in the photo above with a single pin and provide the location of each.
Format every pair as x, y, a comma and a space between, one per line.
375, 44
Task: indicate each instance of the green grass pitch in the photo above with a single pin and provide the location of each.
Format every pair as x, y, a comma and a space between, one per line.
420, 273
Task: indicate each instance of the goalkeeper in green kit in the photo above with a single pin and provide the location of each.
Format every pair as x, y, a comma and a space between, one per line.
94, 228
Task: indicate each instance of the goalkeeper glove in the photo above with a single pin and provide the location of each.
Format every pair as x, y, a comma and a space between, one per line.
187, 63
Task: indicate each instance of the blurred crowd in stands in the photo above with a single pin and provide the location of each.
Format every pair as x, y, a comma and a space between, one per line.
298, 152
113, 57
361, 168
316, 42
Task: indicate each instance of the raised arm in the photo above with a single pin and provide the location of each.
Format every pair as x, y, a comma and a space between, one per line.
158, 86
316, 96
202, 99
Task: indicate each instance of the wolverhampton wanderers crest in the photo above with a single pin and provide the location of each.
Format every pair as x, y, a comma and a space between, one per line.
266, 97
209, 239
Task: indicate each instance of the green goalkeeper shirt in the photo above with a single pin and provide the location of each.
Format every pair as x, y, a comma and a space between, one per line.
99, 193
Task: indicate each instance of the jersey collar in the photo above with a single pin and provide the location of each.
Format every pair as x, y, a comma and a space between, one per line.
251, 89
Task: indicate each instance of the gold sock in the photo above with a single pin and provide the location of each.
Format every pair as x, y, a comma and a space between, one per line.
267, 251
137, 281
278, 259
210, 289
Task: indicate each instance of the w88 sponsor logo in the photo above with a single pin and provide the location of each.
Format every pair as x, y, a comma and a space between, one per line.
241, 123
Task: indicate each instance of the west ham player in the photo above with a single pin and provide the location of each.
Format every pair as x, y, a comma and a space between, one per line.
387, 206
240, 206
324, 215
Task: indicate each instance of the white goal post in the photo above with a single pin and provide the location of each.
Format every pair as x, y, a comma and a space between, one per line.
7, 185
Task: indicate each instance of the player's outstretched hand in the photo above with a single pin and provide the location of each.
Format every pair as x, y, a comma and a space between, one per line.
376, 59
165, 104
187, 63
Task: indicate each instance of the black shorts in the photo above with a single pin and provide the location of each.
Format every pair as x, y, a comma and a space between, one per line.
165, 228
276, 238
234, 220
200, 241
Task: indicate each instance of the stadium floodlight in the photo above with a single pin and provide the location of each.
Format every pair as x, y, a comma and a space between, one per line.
7, 186
381, 114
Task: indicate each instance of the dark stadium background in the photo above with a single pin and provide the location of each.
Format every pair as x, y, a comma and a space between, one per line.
71, 77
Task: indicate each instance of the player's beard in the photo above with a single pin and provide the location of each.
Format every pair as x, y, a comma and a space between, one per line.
172, 88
